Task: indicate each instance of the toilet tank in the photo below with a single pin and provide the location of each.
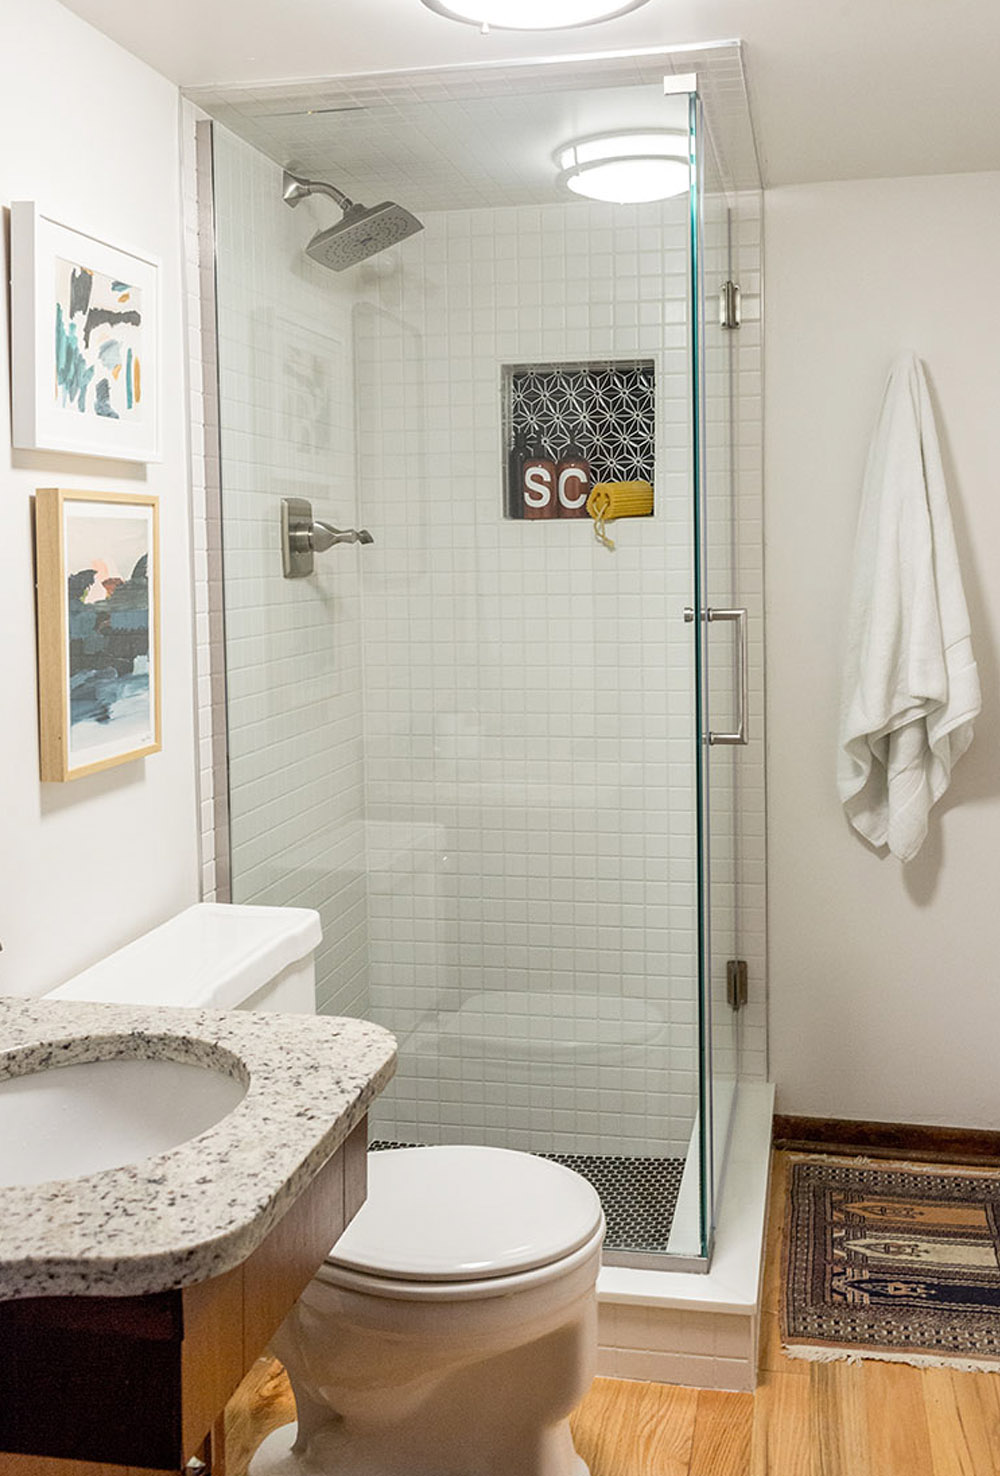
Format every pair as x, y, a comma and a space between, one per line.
216, 956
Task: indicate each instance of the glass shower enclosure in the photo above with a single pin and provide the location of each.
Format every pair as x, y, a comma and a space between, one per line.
497, 751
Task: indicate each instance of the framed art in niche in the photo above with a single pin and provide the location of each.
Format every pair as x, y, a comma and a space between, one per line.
85, 342
98, 630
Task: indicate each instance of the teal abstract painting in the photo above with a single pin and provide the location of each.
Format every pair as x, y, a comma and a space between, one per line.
107, 606
98, 621
98, 346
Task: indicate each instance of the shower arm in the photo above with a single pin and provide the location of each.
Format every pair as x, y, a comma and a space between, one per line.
295, 190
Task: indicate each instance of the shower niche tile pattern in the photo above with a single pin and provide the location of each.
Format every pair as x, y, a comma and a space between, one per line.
602, 413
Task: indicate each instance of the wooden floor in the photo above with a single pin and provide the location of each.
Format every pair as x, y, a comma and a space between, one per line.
806, 1419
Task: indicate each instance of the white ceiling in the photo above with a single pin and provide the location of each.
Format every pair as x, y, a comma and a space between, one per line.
455, 153
846, 89
462, 138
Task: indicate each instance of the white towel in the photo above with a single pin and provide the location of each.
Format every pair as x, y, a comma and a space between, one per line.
911, 688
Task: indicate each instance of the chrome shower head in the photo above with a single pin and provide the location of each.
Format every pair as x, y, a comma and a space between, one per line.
362, 233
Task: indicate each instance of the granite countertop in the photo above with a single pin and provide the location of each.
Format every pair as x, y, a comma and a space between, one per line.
203, 1207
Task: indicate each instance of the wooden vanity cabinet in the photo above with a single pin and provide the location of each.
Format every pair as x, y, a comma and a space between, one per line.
136, 1383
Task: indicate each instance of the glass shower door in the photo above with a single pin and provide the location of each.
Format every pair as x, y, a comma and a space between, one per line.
721, 656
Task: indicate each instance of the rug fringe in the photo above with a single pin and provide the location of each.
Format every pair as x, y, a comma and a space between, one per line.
910, 1165
914, 1360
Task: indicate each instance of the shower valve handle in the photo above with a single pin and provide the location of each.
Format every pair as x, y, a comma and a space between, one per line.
302, 535
322, 536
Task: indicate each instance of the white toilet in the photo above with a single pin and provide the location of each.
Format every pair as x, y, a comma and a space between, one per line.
453, 1326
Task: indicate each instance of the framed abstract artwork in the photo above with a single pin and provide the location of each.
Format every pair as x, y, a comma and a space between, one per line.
98, 630
85, 342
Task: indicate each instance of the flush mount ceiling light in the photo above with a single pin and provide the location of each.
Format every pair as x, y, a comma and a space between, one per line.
532, 15
626, 168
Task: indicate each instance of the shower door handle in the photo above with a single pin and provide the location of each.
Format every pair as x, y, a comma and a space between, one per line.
739, 617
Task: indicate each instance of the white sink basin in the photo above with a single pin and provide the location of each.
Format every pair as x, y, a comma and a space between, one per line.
70, 1121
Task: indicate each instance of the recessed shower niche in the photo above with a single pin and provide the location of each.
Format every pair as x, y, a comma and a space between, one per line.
570, 426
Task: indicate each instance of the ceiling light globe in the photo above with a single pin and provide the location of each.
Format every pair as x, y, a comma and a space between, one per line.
630, 181
626, 168
532, 15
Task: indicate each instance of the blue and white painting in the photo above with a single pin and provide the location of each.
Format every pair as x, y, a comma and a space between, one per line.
108, 552
99, 350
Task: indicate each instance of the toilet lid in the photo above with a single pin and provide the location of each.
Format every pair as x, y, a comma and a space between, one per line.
464, 1214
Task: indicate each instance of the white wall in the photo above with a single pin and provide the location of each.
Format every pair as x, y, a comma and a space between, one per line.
885, 981
92, 135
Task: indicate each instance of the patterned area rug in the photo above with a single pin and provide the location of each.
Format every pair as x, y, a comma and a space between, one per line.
900, 1264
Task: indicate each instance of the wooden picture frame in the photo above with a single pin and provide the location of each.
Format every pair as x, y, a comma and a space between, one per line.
98, 589
85, 341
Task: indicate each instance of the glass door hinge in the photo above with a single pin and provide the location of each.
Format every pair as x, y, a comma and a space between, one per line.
730, 315
737, 983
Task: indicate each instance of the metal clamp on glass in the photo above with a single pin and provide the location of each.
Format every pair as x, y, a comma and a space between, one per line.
742, 734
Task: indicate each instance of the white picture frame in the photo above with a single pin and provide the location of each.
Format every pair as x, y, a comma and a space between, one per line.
85, 342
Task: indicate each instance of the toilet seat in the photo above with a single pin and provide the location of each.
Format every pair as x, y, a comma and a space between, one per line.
462, 1291
461, 1221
